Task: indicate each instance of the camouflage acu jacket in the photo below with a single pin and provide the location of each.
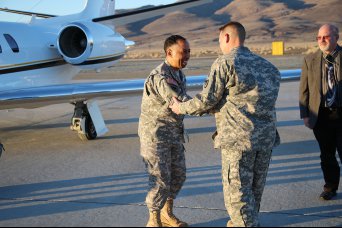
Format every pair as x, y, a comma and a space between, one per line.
241, 90
157, 122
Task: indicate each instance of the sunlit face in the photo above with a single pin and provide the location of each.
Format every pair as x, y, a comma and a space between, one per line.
326, 39
178, 55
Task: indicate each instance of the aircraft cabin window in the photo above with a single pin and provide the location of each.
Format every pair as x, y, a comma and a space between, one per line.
12, 43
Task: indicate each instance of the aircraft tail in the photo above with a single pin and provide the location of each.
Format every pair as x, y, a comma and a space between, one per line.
98, 8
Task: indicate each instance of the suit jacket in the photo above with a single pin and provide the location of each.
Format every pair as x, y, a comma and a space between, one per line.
310, 91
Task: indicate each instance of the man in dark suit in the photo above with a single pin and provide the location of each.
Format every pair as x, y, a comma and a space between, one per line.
321, 103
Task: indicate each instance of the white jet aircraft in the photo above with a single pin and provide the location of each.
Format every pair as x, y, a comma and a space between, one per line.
39, 59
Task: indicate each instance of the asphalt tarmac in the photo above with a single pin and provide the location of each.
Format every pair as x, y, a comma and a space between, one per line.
141, 68
49, 177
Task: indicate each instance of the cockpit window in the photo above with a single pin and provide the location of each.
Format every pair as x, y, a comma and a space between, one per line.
0, 49
12, 43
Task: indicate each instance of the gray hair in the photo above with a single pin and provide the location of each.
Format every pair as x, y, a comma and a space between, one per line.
334, 29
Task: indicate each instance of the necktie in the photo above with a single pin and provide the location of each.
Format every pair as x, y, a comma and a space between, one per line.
331, 94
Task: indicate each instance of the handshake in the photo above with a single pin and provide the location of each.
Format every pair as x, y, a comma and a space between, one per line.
174, 105
2, 148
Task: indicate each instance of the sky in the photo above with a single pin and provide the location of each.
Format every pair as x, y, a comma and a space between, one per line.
128, 4
55, 7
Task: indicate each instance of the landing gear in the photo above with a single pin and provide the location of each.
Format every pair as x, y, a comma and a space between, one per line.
82, 122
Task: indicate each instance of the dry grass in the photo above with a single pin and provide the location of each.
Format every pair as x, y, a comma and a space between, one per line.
261, 49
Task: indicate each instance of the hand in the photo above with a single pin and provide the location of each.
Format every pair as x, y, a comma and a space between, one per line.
2, 148
307, 122
174, 105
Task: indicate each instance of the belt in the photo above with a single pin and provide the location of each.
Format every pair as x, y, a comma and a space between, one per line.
335, 109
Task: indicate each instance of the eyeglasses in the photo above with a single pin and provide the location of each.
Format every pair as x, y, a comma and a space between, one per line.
318, 38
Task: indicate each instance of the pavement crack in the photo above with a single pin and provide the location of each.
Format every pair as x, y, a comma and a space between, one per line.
263, 212
144, 205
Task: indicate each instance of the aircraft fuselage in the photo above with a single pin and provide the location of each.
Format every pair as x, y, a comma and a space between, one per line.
35, 54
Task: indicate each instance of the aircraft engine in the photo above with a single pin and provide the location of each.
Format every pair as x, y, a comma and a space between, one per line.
75, 43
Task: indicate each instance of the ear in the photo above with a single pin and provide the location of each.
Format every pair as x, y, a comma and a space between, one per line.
169, 52
227, 37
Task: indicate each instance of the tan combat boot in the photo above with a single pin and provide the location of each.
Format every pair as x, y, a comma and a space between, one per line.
154, 220
230, 223
167, 217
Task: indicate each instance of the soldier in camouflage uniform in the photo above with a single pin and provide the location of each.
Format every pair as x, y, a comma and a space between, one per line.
241, 90
161, 133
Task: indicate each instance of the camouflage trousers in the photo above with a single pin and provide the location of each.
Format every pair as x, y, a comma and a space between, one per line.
244, 177
165, 164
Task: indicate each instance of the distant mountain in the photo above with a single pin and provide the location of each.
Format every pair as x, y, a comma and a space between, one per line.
265, 21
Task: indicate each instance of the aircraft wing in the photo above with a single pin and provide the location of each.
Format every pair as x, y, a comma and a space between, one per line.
130, 17
26, 13
69, 93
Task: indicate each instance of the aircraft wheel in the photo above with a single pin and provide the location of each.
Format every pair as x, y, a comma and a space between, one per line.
90, 131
